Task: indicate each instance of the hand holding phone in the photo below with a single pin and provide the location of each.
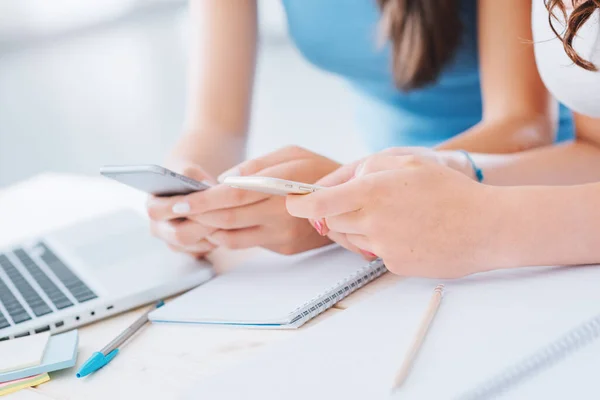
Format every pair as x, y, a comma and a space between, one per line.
237, 219
169, 189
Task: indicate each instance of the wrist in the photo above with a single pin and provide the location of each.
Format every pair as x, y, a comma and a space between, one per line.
536, 225
457, 160
500, 228
212, 151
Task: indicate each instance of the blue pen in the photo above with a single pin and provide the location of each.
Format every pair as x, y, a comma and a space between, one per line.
100, 358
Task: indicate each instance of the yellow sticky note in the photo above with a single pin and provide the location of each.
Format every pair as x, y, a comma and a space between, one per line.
13, 386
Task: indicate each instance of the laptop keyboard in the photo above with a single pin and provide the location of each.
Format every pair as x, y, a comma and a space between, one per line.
15, 309
78, 289
3, 321
52, 291
31, 296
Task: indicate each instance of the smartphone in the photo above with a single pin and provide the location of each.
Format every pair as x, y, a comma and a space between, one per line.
280, 187
153, 179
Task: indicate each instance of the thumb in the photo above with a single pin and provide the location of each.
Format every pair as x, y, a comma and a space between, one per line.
192, 170
254, 166
340, 175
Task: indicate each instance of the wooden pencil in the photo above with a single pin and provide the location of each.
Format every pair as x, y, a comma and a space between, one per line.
409, 359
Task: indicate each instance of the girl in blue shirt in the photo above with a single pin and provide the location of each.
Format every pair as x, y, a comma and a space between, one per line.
455, 74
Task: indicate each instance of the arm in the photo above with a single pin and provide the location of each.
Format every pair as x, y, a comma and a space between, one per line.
518, 112
452, 226
571, 163
547, 225
221, 74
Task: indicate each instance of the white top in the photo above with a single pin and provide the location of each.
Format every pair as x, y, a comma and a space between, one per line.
573, 86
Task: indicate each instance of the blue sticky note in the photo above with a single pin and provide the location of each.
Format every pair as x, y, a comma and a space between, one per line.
61, 353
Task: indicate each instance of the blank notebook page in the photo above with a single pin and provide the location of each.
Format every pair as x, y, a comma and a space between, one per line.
484, 324
266, 290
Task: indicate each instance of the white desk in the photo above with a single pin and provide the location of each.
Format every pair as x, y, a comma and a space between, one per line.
162, 360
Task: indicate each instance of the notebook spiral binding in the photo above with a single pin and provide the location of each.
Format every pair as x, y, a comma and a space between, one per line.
543, 358
337, 292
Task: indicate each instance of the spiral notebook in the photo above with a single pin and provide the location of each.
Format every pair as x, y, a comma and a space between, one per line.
274, 291
564, 368
486, 324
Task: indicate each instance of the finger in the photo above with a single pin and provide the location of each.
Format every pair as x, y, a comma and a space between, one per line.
340, 238
217, 197
191, 170
200, 248
405, 151
336, 200
387, 159
340, 175
320, 225
347, 223
349, 196
363, 243
165, 208
221, 196
224, 197
242, 217
181, 233
239, 239
252, 167
161, 208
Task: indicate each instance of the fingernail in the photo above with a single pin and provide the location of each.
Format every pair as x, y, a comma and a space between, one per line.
325, 229
212, 240
368, 254
181, 208
235, 171
318, 225
358, 170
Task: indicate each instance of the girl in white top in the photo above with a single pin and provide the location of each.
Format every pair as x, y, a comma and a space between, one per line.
426, 215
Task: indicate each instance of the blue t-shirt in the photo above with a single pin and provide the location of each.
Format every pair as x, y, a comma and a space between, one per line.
340, 36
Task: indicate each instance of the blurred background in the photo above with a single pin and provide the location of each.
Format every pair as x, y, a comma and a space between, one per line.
84, 84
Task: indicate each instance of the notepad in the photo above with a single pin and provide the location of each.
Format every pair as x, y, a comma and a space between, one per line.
274, 291
22, 352
60, 353
486, 324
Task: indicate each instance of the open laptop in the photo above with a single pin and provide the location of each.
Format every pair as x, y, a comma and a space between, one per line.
89, 271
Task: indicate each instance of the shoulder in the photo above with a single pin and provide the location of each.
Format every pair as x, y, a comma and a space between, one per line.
565, 80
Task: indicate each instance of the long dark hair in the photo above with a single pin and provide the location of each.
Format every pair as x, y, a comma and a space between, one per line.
424, 35
581, 13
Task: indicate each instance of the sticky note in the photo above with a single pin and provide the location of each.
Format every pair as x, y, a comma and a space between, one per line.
22, 352
31, 381
61, 353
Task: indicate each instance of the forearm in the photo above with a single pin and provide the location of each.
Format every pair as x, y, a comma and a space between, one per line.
214, 152
565, 164
220, 81
221, 66
546, 226
503, 136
